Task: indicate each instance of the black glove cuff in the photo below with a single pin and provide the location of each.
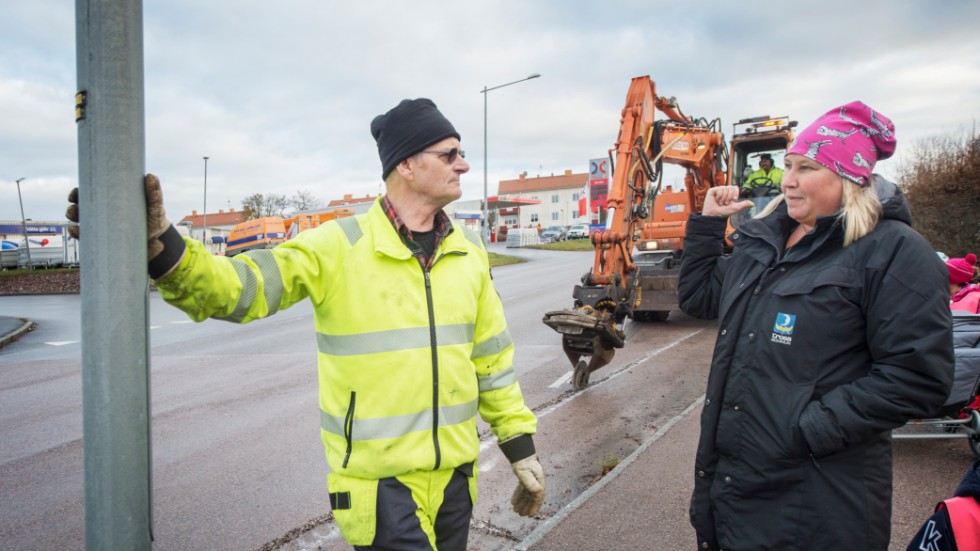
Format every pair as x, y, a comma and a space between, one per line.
518, 447
173, 250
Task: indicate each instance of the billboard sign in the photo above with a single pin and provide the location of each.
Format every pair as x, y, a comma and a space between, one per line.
598, 183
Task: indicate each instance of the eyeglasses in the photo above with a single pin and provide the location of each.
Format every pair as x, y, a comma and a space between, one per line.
450, 155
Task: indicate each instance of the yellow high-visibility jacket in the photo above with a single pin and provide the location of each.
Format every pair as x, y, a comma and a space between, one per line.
757, 178
406, 357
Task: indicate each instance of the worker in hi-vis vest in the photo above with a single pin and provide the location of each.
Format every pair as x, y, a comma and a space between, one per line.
411, 337
767, 175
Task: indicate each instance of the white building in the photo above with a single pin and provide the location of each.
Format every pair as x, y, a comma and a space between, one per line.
557, 196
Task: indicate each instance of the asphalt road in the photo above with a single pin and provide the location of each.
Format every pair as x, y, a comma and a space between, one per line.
237, 461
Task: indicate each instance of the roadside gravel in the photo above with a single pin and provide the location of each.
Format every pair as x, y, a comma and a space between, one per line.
40, 282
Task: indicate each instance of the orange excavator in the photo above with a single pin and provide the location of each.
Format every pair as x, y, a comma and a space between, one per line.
645, 214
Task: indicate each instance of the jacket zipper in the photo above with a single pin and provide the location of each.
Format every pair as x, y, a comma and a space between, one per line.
778, 261
435, 360
435, 368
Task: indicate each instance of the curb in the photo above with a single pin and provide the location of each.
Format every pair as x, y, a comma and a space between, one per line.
14, 335
544, 528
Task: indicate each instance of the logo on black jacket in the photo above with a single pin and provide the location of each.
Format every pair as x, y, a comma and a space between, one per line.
782, 330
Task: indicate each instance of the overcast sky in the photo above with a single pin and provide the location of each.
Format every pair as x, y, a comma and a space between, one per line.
280, 95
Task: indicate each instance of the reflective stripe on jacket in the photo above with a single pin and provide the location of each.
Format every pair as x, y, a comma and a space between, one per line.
406, 357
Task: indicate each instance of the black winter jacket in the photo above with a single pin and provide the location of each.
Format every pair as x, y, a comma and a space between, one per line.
821, 351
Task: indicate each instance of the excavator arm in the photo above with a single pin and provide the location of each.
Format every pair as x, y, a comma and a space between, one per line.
592, 328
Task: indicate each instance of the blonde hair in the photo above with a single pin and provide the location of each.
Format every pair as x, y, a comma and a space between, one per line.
860, 209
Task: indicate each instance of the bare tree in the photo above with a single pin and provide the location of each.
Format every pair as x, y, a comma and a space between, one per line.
305, 200
254, 205
277, 204
270, 204
942, 183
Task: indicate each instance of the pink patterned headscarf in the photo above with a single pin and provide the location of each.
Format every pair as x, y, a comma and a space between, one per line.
849, 140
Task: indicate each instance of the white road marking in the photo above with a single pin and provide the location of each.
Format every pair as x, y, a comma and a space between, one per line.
314, 539
562, 381
487, 464
61, 343
593, 386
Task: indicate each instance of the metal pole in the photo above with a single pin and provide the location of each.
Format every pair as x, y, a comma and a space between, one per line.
486, 219
23, 221
485, 222
205, 229
109, 111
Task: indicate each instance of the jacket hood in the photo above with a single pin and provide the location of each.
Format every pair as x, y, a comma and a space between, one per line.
893, 202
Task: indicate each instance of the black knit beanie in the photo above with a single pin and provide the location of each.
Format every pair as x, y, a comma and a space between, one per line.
410, 127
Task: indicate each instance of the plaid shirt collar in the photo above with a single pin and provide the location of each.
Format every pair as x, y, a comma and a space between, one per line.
443, 227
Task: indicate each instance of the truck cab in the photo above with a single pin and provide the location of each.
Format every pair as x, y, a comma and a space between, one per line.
754, 139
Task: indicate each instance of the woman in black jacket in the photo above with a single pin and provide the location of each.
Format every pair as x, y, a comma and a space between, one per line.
834, 328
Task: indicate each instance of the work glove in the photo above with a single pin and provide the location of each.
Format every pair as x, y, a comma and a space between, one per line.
72, 213
156, 217
160, 233
529, 494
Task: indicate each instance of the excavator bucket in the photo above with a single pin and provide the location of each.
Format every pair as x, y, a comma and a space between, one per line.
585, 334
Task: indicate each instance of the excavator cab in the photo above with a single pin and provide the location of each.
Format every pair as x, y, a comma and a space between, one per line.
757, 186
755, 140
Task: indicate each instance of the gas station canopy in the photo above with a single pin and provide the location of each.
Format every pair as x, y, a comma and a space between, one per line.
506, 202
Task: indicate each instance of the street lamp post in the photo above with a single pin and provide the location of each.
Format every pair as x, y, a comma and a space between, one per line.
486, 206
23, 221
204, 229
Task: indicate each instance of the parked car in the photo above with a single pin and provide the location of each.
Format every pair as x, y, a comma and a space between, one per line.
552, 233
578, 231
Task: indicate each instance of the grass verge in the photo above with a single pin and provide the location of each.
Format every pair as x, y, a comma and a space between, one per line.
569, 245
24, 271
503, 259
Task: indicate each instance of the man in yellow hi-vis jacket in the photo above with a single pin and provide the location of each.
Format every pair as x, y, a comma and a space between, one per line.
411, 336
767, 175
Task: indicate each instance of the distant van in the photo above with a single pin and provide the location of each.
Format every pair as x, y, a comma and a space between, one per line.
46, 251
9, 255
260, 233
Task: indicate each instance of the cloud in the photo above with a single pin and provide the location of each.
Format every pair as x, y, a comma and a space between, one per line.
280, 95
